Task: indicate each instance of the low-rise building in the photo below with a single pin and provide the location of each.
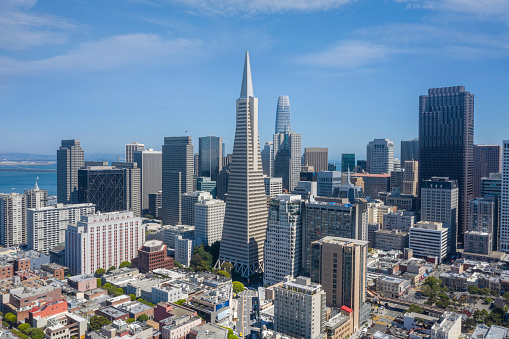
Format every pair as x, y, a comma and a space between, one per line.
135, 309
112, 313
208, 331
178, 327
392, 287
167, 293
447, 327
82, 283
391, 240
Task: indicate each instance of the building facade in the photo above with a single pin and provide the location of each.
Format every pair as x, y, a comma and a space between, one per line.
347, 162
410, 184
318, 157
380, 156
152, 255
13, 226
504, 199
36, 198
287, 158
150, 164
429, 239
409, 150
326, 182
283, 115
210, 159
189, 201
131, 148
209, 221
132, 186
104, 186
486, 161
70, 158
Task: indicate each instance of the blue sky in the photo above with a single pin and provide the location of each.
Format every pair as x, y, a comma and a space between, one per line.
112, 72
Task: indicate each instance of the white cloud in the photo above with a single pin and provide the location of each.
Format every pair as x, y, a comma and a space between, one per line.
232, 7
481, 8
107, 54
21, 27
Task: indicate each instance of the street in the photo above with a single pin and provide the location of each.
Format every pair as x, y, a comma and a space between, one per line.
244, 312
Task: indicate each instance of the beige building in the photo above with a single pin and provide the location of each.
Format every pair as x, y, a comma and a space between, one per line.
316, 157
447, 327
391, 240
410, 178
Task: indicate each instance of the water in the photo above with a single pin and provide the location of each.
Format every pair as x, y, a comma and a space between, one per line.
18, 182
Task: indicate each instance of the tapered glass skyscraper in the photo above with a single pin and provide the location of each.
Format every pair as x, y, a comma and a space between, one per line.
283, 115
245, 219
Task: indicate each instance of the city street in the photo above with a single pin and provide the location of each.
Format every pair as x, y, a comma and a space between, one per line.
244, 312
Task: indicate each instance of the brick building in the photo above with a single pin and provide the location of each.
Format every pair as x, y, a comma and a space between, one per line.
153, 254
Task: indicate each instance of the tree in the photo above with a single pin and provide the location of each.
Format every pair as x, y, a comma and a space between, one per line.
36, 333
130, 320
473, 289
223, 273
133, 297
180, 302
99, 282
416, 309
125, 264
112, 268
434, 283
149, 216
470, 323
11, 318
24, 328
238, 287
100, 272
97, 322
227, 266
179, 265
118, 292
488, 301
442, 303
142, 317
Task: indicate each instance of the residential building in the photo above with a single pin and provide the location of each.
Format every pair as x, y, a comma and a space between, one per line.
273, 186
183, 250
429, 239
209, 221
287, 158
483, 217
440, 203
339, 265
317, 157
83, 282
283, 243
102, 240
326, 182
210, 160
150, 164
446, 143
504, 200
268, 158
388, 240
131, 148
177, 176
491, 186
409, 150
478, 242
299, 308
392, 287
283, 115
486, 161
169, 233
36, 198
189, 201
410, 184
347, 162
70, 158
447, 327
245, 219
152, 255
13, 224
132, 186
380, 156
46, 226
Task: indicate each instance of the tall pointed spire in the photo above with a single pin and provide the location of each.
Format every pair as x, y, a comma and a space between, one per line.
348, 182
36, 187
246, 90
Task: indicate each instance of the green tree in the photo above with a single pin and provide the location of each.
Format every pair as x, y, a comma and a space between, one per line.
442, 303
99, 282
488, 301
179, 265
24, 328
415, 308
11, 318
228, 267
473, 289
223, 273
149, 216
36, 333
238, 287
180, 302
133, 297
118, 292
125, 264
506, 297
470, 323
142, 317
100, 272
112, 268
434, 283
130, 320
98, 322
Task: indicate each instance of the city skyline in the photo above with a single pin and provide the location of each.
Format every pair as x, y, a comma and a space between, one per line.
56, 62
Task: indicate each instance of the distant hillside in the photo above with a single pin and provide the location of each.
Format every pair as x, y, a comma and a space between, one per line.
53, 157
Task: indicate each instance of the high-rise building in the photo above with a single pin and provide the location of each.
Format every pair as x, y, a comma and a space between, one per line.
206, 185
177, 176
268, 158
13, 227
283, 245
491, 186
486, 161
327, 182
151, 171
380, 156
210, 160
104, 186
429, 239
245, 219
362, 165
70, 158
283, 115
155, 203
409, 150
287, 158
209, 220
338, 218
483, 218
222, 182
504, 200
317, 157
183, 250
102, 240
347, 162
410, 178
396, 180
189, 201
439, 203
339, 265
36, 198
299, 308
46, 226
446, 142
132, 184
273, 186
131, 148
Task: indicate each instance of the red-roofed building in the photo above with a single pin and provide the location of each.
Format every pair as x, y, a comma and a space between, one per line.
49, 309
346, 309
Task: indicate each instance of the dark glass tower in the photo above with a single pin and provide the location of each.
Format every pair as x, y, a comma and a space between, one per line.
210, 159
347, 162
446, 142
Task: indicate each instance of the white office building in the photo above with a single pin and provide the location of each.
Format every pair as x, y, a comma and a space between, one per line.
429, 239
46, 226
209, 220
169, 233
12, 219
102, 240
402, 221
183, 250
273, 186
189, 201
131, 148
380, 156
283, 244
447, 327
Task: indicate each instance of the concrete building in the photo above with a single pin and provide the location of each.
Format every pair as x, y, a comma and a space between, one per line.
380, 156
326, 182
410, 184
150, 164
152, 255
491, 186
178, 166
13, 224
339, 265
268, 158
189, 201
504, 200
483, 217
82, 283
36, 198
478, 242
429, 239
273, 186
204, 184
169, 233
372, 228
102, 240
448, 151
46, 226
287, 158
409, 150
299, 308
210, 158
283, 244
132, 185
486, 161
439, 203
209, 221
347, 162
401, 201
332, 218
447, 327
388, 240
306, 189
183, 250
155, 204
131, 148
373, 184
401, 221
245, 218
317, 157
70, 158
392, 287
